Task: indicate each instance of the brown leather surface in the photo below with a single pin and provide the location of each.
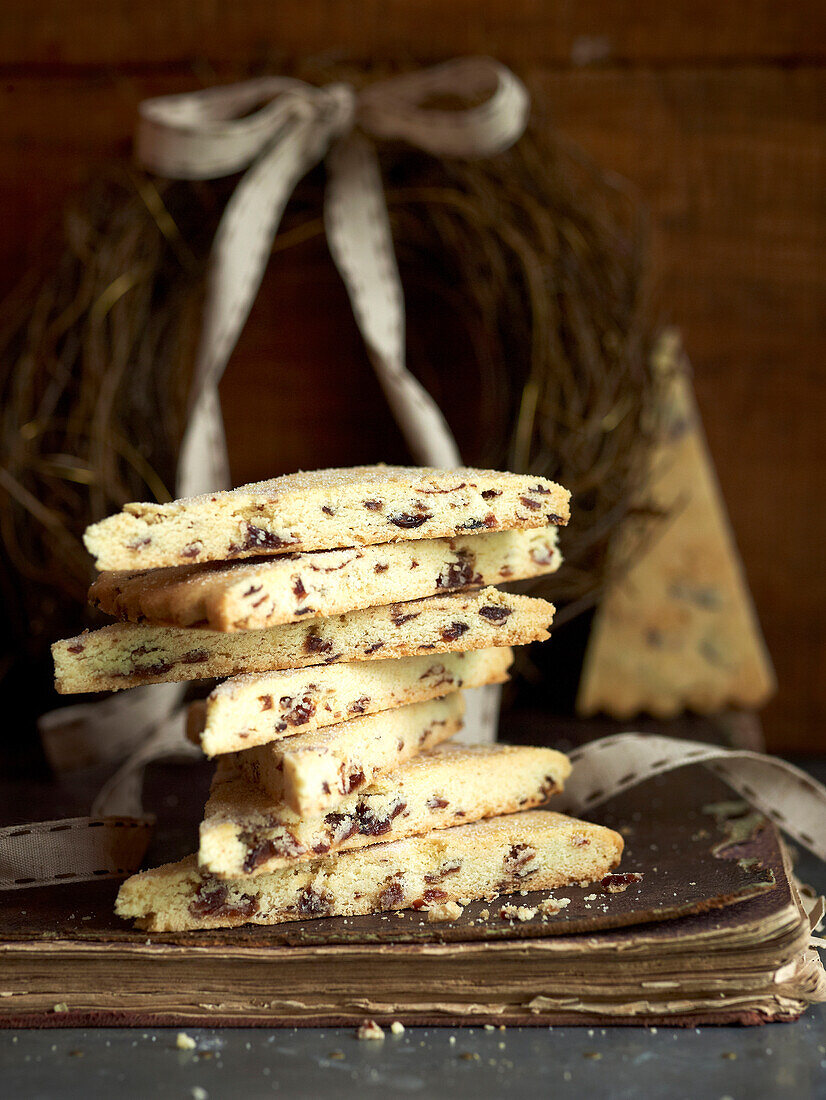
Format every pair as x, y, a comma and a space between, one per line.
670, 840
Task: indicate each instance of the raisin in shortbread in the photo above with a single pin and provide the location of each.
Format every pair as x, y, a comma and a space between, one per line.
322, 510
126, 654
312, 772
537, 850
258, 708
244, 833
252, 595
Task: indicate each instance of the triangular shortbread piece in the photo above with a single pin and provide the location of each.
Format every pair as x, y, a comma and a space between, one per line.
538, 850
127, 654
312, 772
243, 833
262, 707
322, 510
252, 595
677, 629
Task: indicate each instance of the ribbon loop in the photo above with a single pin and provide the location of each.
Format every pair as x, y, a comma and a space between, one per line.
397, 108
791, 798
279, 128
200, 136
219, 131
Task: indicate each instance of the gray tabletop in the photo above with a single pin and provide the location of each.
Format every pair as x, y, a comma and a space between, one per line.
781, 1060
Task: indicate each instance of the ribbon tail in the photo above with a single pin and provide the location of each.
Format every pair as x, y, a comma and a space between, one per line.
358, 233
112, 841
122, 794
75, 849
239, 258
203, 459
88, 734
792, 799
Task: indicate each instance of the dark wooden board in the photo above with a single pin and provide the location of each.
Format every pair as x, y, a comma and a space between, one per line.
97, 32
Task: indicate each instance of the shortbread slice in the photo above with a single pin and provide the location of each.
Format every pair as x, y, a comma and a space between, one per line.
286, 589
127, 654
312, 773
536, 850
323, 510
244, 833
258, 708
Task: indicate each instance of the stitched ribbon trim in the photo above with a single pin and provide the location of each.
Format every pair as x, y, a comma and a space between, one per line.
51, 853
54, 851
277, 129
790, 797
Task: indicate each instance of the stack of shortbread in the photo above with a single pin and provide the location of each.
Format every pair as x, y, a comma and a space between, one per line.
348, 608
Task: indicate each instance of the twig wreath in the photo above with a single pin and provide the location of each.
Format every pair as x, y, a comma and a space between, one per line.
541, 256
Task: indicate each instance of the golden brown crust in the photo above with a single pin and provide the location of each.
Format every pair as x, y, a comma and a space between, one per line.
127, 654
253, 595
259, 708
323, 509
244, 833
536, 850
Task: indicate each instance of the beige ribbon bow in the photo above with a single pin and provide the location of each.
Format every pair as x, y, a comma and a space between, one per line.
216, 132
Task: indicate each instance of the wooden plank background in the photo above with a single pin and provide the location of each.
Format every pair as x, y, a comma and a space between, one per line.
717, 112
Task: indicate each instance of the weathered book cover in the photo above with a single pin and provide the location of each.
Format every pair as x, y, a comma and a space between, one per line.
712, 931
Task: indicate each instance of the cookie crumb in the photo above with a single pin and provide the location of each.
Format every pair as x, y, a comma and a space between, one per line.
370, 1030
551, 906
517, 912
185, 1042
449, 910
397, 1027
485, 914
